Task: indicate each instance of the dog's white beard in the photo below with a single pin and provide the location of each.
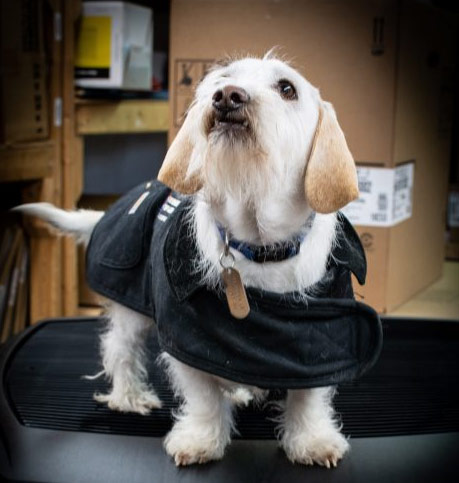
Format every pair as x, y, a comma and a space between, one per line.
239, 169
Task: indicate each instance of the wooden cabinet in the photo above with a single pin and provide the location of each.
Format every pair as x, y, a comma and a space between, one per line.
52, 170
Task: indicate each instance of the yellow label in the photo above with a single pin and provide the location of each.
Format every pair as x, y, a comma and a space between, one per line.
93, 46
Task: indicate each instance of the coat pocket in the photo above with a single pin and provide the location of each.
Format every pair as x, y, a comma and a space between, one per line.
126, 229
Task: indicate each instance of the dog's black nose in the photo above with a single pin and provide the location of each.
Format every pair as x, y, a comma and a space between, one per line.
230, 98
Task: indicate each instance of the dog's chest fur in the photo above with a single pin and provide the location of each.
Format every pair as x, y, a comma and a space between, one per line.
293, 275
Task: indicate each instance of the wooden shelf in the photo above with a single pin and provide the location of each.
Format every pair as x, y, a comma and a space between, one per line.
26, 161
90, 311
130, 116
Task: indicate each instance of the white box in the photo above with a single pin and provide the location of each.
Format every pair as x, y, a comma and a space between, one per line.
114, 48
386, 196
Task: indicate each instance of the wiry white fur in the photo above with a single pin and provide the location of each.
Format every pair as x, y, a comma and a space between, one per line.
203, 425
309, 432
123, 359
77, 223
297, 274
256, 190
263, 180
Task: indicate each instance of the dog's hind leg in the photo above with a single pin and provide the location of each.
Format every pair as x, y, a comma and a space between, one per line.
309, 432
124, 358
203, 425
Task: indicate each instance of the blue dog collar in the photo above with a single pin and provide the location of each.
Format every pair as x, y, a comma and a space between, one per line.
277, 252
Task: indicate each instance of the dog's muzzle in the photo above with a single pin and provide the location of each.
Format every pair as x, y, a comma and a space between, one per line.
229, 109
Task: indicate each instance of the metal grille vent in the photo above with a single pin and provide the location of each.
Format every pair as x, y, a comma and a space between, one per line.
414, 388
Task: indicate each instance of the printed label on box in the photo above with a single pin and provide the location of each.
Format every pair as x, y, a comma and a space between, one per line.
403, 193
385, 196
187, 74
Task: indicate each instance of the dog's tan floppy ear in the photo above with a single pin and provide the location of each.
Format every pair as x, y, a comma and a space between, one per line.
174, 169
331, 176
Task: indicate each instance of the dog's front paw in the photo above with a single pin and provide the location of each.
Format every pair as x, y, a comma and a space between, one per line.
130, 401
188, 443
324, 449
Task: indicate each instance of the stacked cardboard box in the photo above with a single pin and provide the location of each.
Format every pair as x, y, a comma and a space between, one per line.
387, 68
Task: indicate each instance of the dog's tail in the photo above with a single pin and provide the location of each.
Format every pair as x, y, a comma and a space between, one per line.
79, 224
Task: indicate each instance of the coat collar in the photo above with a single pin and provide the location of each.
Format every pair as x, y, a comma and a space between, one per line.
348, 250
180, 253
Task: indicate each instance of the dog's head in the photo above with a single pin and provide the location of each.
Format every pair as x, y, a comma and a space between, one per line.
257, 125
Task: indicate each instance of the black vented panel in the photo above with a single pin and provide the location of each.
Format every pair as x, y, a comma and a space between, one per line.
414, 388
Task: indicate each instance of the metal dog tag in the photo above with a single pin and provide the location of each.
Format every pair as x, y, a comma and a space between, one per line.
235, 293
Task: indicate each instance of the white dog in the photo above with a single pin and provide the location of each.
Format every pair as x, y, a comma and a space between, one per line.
261, 151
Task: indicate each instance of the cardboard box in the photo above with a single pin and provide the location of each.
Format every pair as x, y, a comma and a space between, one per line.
387, 68
452, 234
114, 48
453, 208
23, 84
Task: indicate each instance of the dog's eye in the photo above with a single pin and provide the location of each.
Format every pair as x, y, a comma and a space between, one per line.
287, 90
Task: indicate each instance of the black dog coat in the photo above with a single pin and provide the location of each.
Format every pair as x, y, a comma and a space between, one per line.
142, 253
